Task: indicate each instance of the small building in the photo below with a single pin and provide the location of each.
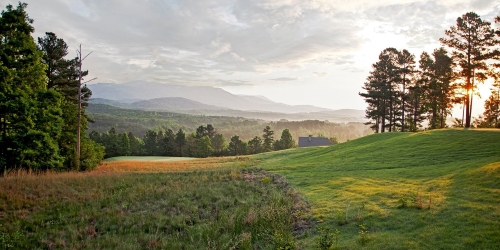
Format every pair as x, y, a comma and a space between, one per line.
313, 141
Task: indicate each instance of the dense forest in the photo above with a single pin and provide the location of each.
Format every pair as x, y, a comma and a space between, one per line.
39, 100
402, 97
139, 122
204, 142
138, 132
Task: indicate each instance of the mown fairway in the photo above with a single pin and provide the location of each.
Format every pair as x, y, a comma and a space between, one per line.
429, 190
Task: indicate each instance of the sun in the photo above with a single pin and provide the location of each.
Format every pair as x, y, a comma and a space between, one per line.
484, 90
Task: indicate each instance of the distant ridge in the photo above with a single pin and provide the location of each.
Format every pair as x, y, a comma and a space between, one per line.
141, 90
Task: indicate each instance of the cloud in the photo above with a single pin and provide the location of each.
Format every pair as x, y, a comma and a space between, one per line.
198, 42
225, 36
238, 58
227, 83
285, 79
321, 74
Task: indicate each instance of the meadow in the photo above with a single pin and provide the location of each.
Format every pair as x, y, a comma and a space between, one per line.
207, 204
428, 190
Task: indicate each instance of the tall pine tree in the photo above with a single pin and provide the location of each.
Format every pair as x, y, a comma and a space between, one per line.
471, 40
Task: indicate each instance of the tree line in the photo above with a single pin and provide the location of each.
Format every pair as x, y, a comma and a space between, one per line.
401, 97
205, 142
39, 100
140, 121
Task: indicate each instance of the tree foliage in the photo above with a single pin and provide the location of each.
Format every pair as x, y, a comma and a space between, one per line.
37, 110
268, 139
401, 97
471, 41
30, 114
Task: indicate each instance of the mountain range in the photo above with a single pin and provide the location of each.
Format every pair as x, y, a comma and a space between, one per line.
208, 101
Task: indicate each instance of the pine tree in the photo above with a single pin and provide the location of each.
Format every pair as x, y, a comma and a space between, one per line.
28, 139
492, 104
136, 147
255, 145
63, 77
237, 146
268, 139
180, 141
150, 140
219, 144
436, 75
287, 140
381, 94
205, 147
406, 64
471, 40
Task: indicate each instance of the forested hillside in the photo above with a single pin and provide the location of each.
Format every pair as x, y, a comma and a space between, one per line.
139, 122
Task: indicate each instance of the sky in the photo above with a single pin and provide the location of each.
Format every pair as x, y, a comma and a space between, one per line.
316, 52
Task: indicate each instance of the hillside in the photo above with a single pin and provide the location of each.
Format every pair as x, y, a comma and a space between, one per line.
139, 121
381, 180
169, 104
430, 190
186, 106
207, 95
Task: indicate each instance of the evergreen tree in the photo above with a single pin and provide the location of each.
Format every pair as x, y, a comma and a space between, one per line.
27, 138
168, 144
492, 104
471, 40
205, 147
235, 146
211, 131
150, 140
381, 94
63, 77
112, 143
191, 145
406, 64
287, 140
219, 144
124, 144
278, 145
436, 74
268, 139
255, 145
180, 140
201, 131
136, 147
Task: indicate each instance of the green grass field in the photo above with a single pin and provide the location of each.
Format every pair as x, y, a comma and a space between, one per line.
429, 190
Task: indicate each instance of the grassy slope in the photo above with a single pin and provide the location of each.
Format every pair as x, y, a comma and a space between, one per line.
370, 177
130, 204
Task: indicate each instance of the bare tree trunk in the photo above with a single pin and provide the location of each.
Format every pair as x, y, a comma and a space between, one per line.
77, 160
78, 132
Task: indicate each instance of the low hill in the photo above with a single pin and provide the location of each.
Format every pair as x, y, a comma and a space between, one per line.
430, 190
172, 104
139, 121
207, 95
186, 106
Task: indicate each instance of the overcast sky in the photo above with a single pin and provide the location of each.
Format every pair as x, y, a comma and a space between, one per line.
315, 52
